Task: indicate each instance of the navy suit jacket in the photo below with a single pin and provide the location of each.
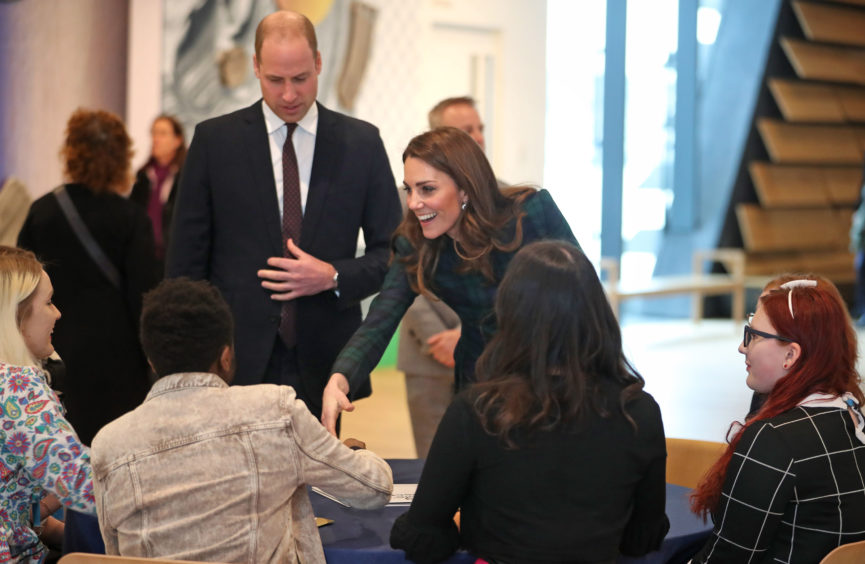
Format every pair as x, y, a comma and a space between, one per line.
227, 224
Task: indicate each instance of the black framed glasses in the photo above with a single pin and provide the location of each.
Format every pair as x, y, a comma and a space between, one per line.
750, 332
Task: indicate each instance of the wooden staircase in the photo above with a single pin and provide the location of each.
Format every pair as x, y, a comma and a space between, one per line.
802, 168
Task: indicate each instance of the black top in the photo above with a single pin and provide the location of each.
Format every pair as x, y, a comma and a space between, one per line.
97, 335
577, 495
793, 490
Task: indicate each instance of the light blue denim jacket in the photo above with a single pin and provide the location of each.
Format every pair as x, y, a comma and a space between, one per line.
203, 471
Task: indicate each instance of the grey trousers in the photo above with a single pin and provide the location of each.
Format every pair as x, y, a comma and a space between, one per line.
428, 398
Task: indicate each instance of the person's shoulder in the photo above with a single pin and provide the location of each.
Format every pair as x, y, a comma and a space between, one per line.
43, 203
17, 378
533, 198
331, 118
402, 246
230, 120
642, 408
463, 405
643, 400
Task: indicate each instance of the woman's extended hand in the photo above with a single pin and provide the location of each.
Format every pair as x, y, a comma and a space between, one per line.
334, 400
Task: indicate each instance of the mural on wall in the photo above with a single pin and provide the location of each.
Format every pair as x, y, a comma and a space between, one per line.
208, 47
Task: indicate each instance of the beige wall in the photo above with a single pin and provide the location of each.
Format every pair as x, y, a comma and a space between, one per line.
57, 56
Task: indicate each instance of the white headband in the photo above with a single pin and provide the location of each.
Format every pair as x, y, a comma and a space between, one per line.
802, 283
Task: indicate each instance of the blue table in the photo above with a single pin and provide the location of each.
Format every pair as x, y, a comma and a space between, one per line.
361, 537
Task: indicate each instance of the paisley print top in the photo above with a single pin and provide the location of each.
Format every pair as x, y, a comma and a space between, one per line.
39, 454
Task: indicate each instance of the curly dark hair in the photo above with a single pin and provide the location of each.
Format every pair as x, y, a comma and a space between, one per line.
97, 152
185, 325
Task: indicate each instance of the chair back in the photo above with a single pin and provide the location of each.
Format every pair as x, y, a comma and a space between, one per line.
851, 553
86, 558
688, 460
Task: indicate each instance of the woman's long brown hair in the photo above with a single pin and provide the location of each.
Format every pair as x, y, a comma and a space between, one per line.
480, 224
557, 347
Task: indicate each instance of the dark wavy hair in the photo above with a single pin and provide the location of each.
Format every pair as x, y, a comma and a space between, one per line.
97, 152
827, 364
185, 325
453, 152
558, 343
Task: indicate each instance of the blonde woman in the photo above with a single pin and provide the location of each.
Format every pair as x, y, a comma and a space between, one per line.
40, 454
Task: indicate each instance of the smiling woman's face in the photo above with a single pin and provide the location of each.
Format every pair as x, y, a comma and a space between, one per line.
38, 323
433, 197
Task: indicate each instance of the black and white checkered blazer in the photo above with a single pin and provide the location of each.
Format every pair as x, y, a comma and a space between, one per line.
794, 490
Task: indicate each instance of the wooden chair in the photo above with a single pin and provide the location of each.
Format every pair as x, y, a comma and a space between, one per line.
699, 284
85, 558
688, 460
851, 553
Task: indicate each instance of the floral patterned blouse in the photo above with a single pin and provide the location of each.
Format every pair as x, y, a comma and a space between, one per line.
39, 454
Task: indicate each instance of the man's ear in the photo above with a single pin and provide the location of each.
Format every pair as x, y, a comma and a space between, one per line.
226, 360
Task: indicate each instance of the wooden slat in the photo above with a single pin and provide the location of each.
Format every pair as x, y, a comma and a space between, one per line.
852, 2
772, 230
852, 102
844, 185
825, 62
795, 186
833, 24
835, 265
812, 144
807, 101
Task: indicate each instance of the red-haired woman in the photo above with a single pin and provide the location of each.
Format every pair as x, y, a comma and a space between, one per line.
106, 372
791, 485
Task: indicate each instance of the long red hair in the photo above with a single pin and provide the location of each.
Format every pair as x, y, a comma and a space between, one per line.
827, 364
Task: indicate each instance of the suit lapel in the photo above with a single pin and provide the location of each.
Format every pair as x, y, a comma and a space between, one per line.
324, 163
262, 186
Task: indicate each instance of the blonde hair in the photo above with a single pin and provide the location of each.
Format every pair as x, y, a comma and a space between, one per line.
20, 273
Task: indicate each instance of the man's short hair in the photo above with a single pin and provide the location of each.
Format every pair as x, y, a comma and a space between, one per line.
185, 325
435, 114
285, 23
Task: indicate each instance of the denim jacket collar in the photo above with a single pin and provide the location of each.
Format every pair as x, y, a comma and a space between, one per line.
185, 380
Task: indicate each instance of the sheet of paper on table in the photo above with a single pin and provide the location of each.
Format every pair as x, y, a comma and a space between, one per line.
402, 494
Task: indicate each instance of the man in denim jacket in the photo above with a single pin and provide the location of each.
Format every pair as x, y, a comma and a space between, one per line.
204, 471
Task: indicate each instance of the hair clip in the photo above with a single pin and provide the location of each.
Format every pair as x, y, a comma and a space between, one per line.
801, 283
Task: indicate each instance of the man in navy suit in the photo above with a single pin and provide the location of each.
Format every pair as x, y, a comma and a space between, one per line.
228, 225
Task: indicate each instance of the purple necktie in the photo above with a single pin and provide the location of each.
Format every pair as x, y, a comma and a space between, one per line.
292, 216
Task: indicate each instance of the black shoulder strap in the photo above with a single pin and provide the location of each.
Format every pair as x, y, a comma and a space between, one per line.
90, 245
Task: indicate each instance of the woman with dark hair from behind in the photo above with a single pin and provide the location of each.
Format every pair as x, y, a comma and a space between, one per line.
789, 487
556, 454
106, 372
155, 187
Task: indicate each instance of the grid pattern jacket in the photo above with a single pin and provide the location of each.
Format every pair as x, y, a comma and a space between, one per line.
794, 490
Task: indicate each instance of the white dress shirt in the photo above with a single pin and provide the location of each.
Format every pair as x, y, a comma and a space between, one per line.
304, 147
